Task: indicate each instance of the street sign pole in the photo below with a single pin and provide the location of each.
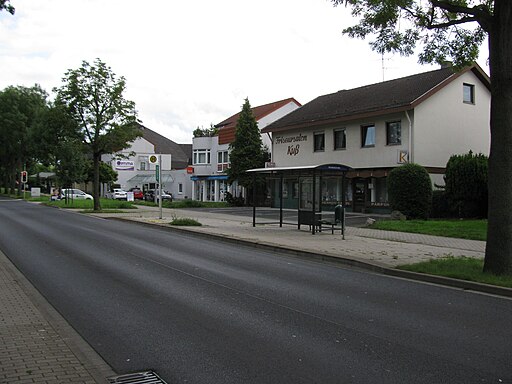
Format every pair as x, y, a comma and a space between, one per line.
160, 185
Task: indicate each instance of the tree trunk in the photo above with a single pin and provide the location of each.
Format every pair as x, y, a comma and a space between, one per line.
498, 252
96, 181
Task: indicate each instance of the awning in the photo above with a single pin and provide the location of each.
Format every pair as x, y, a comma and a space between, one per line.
149, 179
211, 177
303, 169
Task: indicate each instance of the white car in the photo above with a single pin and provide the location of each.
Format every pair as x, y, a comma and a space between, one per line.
117, 194
75, 194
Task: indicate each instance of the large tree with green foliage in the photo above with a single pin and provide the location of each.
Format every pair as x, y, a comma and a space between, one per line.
20, 110
5, 4
247, 150
95, 98
59, 143
454, 30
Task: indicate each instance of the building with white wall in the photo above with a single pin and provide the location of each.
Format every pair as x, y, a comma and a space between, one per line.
211, 154
424, 118
135, 170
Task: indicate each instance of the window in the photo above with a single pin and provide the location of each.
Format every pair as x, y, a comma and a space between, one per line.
222, 161
201, 156
368, 136
143, 162
180, 188
468, 93
340, 139
319, 141
394, 133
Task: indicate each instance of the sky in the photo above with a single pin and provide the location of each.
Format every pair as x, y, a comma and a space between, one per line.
192, 63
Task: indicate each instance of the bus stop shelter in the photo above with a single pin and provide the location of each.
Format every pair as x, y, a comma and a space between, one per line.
314, 190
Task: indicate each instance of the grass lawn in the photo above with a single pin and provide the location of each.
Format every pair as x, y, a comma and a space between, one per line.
88, 204
462, 229
463, 268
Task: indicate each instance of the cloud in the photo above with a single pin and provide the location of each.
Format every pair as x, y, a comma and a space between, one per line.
189, 64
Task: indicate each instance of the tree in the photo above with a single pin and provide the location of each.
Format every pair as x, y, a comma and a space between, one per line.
107, 174
454, 29
94, 97
246, 151
466, 184
20, 110
410, 191
206, 132
4, 4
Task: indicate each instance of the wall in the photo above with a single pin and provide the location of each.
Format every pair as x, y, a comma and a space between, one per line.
271, 117
300, 152
445, 125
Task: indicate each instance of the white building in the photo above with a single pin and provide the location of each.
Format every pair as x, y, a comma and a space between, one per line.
135, 170
424, 118
211, 154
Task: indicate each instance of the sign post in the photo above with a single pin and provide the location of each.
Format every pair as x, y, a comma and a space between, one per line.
160, 185
24, 180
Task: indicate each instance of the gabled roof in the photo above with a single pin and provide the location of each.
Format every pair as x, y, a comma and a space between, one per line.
382, 98
163, 145
228, 126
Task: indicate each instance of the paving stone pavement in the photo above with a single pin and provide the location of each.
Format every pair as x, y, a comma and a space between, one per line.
36, 343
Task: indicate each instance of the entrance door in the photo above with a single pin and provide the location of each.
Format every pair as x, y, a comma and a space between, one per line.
359, 194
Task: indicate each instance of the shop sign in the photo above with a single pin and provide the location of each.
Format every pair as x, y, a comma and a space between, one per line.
125, 165
293, 143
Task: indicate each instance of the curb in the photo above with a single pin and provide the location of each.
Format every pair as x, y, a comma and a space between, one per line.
372, 267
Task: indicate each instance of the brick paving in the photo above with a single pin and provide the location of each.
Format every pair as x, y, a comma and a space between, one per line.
36, 344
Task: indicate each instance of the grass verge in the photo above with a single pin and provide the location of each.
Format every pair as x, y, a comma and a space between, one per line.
185, 221
463, 268
88, 204
462, 229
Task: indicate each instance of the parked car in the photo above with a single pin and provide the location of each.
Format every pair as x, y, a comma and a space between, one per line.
117, 194
72, 193
150, 195
137, 193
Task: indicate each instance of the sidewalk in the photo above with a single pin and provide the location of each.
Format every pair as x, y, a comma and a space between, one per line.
40, 347
374, 247
37, 344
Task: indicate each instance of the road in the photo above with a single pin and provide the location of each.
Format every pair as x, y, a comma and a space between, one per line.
203, 311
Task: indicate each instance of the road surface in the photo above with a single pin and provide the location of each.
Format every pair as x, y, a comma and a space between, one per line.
204, 311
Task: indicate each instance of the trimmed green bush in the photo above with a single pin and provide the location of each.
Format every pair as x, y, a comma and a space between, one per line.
410, 191
466, 184
441, 207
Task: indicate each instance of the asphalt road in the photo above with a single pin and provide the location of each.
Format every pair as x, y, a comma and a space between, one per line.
202, 311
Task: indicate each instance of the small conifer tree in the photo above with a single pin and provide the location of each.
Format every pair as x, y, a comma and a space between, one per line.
246, 151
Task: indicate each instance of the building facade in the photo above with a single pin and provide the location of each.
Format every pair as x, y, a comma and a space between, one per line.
210, 155
423, 118
135, 170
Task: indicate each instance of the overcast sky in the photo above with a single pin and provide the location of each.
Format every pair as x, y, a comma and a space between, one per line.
192, 63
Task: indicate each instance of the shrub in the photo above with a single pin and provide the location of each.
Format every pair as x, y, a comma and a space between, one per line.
185, 221
441, 207
466, 184
234, 201
410, 191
